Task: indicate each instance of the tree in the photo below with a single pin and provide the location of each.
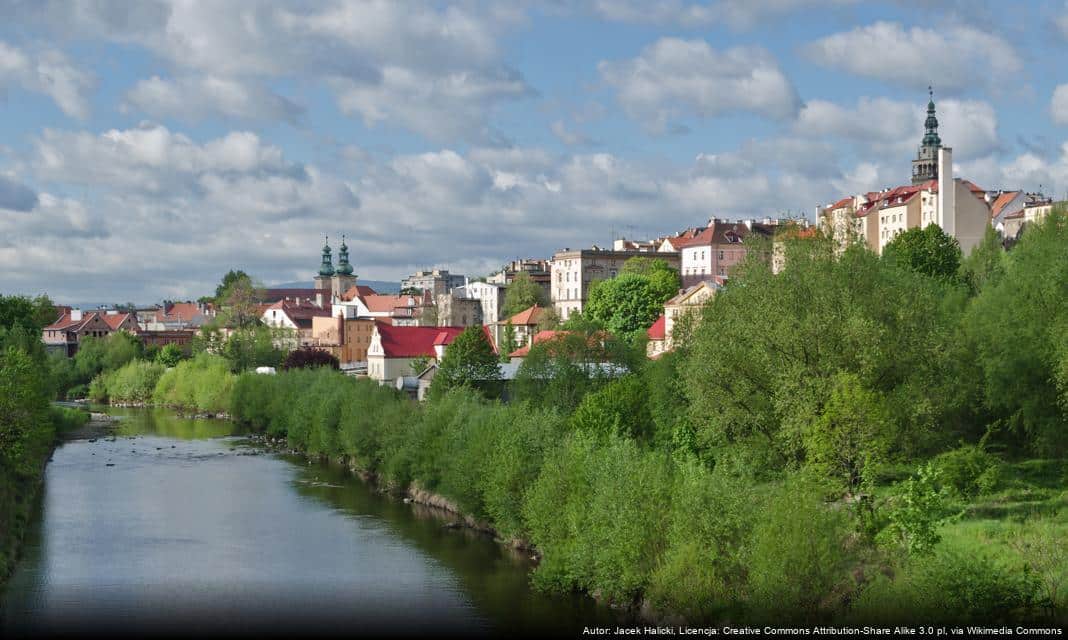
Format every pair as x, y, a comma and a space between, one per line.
253, 346
625, 305
767, 349
985, 265
32, 314
523, 293
306, 358
469, 361
232, 277
929, 251
170, 355
239, 298
1015, 326
620, 407
23, 411
629, 303
507, 345
549, 319
850, 435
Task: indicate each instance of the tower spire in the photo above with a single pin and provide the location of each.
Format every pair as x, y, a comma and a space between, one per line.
925, 166
343, 266
327, 267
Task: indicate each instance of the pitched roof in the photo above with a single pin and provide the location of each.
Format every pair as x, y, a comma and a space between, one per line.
358, 290
115, 320
657, 331
301, 313
722, 233
528, 317
65, 322
412, 342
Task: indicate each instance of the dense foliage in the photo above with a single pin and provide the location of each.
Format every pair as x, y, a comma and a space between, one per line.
308, 357
630, 302
523, 293
469, 361
28, 424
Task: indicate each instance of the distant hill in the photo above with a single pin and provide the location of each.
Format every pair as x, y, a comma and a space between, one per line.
381, 286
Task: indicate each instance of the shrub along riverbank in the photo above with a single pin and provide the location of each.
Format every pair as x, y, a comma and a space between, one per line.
28, 424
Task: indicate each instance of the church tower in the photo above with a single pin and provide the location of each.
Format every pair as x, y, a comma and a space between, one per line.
326, 269
343, 278
925, 166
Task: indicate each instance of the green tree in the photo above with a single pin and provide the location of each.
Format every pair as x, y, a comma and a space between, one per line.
253, 346
620, 407
239, 298
32, 314
170, 355
985, 265
232, 277
767, 348
469, 361
507, 345
1016, 326
23, 411
850, 436
929, 251
523, 293
630, 302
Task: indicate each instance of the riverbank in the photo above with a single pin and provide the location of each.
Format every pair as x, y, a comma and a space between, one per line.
20, 490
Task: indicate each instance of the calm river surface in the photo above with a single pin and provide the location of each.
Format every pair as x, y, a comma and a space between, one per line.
182, 526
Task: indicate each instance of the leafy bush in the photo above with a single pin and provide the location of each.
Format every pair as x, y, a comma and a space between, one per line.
620, 408
133, 382
203, 383
969, 470
916, 511
306, 357
799, 555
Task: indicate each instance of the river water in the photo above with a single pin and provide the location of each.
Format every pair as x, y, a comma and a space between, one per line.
182, 526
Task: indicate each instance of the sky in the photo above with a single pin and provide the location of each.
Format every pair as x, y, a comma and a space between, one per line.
148, 147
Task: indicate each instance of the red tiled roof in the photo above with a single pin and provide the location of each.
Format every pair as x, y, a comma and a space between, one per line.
1002, 201
720, 233
64, 322
528, 317
657, 331
115, 320
412, 342
846, 201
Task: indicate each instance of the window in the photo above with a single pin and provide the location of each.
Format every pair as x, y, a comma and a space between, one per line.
720, 255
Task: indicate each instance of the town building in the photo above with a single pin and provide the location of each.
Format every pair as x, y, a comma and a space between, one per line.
524, 326
715, 249
538, 270
456, 311
394, 351
436, 281
297, 317
959, 207
688, 301
177, 316
70, 329
347, 339
575, 271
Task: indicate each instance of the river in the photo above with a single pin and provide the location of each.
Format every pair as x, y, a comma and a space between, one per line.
184, 526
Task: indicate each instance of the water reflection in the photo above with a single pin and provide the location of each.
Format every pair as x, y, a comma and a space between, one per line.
171, 521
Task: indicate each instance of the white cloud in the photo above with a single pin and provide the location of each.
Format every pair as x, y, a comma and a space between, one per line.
673, 78
48, 71
433, 69
1059, 105
440, 107
890, 126
1026, 171
951, 59
738, 14
196, 98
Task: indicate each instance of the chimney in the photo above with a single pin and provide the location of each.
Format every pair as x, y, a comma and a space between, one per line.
947, 207
75, 315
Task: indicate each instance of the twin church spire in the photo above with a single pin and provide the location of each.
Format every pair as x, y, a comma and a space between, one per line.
344, 268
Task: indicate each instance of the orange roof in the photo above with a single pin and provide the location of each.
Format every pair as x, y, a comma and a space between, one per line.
548, 336
529, 316
1002, 201
358, 290
115, 320
846, 201
657, 331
